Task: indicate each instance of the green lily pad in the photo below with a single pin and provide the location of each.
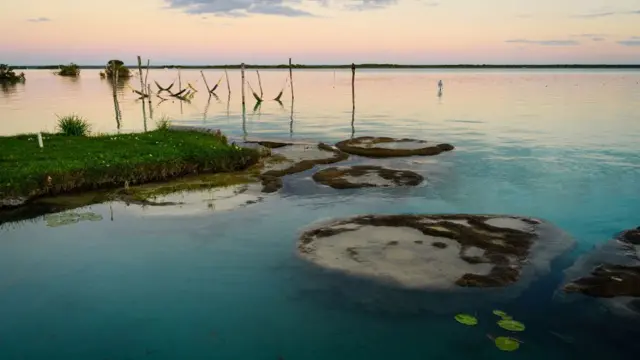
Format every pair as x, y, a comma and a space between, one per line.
507, 344
466, 319
500, 313
511, 325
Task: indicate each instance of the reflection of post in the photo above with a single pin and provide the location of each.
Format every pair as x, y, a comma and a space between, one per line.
242, 76
291, 122
353, 99
206, 110
244, 121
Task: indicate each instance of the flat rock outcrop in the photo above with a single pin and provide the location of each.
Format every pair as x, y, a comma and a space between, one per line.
435, 251
611, 272
361, 176
381, 147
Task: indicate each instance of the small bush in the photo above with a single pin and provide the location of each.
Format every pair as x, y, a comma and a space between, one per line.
8, 76
69, 70
118, 65
73, 125
163, 123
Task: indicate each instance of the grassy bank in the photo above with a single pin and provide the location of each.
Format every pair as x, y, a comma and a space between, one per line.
75, 163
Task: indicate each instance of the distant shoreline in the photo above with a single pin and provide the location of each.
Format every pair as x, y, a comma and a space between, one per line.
358, 66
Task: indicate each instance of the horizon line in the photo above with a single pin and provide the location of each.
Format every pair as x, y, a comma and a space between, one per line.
339, 66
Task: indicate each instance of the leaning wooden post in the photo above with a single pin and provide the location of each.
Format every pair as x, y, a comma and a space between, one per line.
205, 82
260, 84
226, 74
242, 75
291, 79
179, 81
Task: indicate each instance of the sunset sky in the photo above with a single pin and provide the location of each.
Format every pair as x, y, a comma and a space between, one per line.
321, 31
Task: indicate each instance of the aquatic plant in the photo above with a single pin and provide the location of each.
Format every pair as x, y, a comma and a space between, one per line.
256, 96
71, 70
163, 123
8, 75
466, 319
511, 325
67, 218
73, 125
506, 343
116, 65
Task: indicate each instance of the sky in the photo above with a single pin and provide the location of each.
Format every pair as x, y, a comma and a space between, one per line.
199, 32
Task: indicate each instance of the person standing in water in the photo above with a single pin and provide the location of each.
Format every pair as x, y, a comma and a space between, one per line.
440, 85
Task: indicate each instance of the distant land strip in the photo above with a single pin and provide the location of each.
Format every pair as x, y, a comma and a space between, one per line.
359, 66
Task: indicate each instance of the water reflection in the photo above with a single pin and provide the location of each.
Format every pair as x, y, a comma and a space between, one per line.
8, 88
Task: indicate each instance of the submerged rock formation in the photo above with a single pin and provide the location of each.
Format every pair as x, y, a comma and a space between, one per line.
366, 176
295, 158
611, 272
380, 147
435, 251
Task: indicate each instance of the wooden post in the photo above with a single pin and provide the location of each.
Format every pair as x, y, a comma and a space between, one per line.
205, 82
179, 81
149, 100
146, 75
260, 84
228, 85
40, 143
142, 91
353, 99
291, 78
242, 75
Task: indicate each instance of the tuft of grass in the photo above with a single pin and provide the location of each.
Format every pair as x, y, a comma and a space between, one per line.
73, 125
163, 123
78, 163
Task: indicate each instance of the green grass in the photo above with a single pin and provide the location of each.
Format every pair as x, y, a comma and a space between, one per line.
75, 163
73, 125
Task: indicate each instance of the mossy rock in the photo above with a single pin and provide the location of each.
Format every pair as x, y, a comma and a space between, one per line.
612, 271
481, 251
366, 176
382, 147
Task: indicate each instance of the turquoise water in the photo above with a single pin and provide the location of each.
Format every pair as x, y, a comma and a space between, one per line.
228, 285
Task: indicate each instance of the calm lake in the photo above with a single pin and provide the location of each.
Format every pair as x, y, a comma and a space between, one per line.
218, 283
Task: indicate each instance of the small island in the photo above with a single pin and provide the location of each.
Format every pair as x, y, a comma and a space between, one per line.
361, 176
67, 163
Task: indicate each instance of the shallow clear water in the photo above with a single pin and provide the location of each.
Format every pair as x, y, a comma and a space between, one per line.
227, 284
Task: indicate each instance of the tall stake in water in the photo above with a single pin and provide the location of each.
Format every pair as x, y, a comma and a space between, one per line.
226, 74
291, 78
353, 99
149, 100
116, 105
142, 91
260, 84
242, 75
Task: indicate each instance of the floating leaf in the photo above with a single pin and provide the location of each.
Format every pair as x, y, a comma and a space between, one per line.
506, 343
511, 325
499, 313
466, 319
